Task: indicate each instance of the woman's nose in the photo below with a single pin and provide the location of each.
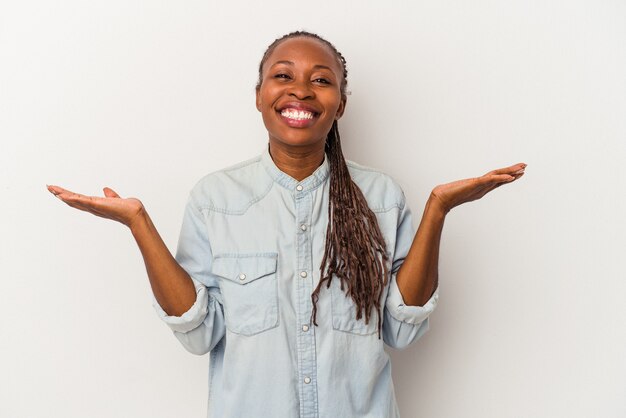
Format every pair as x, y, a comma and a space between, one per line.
301, 90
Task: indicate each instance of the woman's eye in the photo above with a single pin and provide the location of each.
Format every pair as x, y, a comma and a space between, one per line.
322, 80
281, 76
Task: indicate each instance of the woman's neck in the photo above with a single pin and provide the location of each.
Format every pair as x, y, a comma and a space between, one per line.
297, 162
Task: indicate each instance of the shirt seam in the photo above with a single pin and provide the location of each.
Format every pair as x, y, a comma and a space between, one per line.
383, 209
241, 211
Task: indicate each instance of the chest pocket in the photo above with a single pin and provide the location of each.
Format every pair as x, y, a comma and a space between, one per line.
344, 312
249, 288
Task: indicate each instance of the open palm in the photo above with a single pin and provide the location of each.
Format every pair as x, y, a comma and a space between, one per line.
111, 206
453, 194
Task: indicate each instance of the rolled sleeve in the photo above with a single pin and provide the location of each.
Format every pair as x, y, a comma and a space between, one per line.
203, 325
190, 319
408, 313
404, 324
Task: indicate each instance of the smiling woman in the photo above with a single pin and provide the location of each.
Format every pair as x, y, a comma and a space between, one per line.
301, 85
284, 259
302, 79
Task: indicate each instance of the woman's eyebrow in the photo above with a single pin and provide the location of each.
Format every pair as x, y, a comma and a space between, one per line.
322, 67
316, 66
283, 62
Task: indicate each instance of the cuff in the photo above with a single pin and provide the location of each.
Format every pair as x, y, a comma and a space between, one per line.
190, 319
408, 313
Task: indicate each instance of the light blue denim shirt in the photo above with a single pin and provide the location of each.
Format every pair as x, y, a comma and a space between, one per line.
252, 240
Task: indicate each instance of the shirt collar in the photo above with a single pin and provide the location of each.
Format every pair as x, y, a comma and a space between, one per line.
311, 182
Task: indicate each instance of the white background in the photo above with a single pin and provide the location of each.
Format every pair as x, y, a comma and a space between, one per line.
148, 96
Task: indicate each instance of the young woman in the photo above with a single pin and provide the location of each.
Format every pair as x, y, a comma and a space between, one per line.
294, 267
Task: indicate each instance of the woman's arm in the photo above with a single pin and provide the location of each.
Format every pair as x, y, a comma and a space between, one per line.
172, 287
418, 276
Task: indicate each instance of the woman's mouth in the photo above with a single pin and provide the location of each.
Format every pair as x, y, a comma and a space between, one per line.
298, 118
296, 114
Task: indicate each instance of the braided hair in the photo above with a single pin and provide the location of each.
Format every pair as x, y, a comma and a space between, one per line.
353, 236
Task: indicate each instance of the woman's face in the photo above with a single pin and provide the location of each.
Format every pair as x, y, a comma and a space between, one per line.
300, 93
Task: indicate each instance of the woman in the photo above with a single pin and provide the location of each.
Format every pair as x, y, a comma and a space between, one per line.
295, 266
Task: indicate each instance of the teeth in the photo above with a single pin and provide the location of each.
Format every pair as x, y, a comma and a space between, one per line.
296, 114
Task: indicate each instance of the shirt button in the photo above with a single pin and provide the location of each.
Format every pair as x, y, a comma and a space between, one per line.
303, 274
299, 187
305, 328
242, 276
303, 227
307, 380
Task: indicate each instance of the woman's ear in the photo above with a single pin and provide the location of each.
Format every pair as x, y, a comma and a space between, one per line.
342, 108
258, 99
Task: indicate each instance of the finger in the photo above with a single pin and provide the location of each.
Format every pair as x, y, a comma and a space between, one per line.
496, 178
82, 202
108, 192
63, 193
56, 190
517, 176
80, 198
87, 207
510, 169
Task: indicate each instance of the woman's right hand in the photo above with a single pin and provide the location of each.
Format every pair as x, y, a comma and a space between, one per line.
171, 284
111, 206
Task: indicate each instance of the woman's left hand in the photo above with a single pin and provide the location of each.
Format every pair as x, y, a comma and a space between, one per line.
450, 195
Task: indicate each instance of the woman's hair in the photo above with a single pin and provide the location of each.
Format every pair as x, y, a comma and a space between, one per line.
353, 237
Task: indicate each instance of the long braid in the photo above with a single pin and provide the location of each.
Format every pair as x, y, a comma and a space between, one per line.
353, 237
353, 240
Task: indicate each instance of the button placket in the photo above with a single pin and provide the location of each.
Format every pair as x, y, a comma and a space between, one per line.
307, 366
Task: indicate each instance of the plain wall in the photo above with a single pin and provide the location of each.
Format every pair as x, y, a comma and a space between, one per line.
148, 96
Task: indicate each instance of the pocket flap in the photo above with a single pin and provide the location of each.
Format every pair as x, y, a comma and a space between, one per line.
244, 269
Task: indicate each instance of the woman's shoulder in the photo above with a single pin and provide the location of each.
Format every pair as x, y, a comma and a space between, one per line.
381, 190
233, 187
